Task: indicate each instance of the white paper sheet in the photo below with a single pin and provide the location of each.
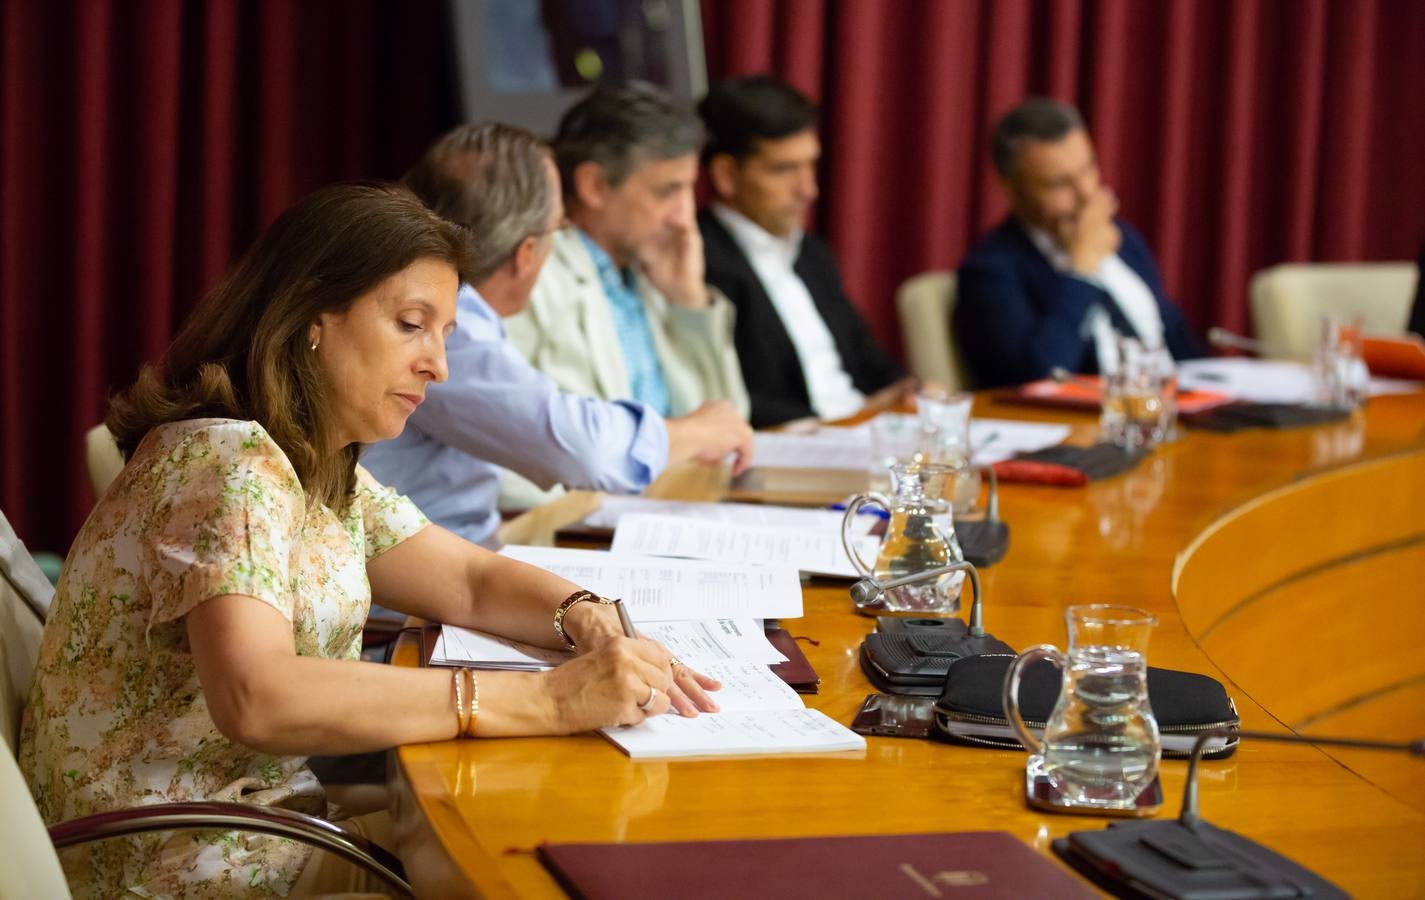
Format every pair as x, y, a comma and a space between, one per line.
614, 507
997, 439
749, 686
735, 733
458, 646
826, 448
816, 552
662, 590
1267, 380
850, 448
702, 644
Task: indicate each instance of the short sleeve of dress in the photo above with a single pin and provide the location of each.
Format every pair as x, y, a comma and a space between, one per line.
387, 516
228, 508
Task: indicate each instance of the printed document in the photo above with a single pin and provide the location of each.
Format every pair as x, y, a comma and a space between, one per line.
735, 734
700, 643
814, 552
662, 590
615, 507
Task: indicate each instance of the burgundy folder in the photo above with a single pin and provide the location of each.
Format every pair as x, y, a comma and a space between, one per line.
978, 864
796, 671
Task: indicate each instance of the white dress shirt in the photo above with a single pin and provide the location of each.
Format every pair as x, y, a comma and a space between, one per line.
830, 389
1129, 292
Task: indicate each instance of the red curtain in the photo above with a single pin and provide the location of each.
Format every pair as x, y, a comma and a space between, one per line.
1237, 133
142, 145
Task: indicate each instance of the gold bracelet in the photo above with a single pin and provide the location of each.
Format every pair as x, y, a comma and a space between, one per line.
474, 704
576, 597
459, 704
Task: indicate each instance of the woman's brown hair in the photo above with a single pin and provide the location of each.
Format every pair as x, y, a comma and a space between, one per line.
244, 352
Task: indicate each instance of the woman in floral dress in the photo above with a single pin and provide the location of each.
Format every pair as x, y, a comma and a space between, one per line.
205, 635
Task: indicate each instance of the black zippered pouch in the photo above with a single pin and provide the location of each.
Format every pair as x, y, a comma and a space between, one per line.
971, 705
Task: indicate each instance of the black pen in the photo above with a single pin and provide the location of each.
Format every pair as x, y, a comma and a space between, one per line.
624, 619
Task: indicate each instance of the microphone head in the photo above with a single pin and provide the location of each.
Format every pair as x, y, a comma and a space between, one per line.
865, 594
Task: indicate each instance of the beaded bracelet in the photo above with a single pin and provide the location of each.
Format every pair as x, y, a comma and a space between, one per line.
474, 710
459, 702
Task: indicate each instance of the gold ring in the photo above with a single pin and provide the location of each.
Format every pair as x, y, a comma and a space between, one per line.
675, 662
652, 695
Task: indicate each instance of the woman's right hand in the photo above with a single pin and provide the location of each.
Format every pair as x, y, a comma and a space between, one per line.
608, 685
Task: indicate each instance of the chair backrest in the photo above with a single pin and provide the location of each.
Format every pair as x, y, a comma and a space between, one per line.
103, 458
924, 304
28, 864
25, 596
1290, 300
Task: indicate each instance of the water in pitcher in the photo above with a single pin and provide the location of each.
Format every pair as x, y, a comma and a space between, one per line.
914, 543
1102, 741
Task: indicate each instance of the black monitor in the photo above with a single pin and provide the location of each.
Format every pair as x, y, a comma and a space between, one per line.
526, 61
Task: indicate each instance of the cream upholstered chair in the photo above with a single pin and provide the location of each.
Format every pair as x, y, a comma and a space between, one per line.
29, 865
1289, 301
102, 456
924, 304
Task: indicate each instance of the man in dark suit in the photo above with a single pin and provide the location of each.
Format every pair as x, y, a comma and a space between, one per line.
804, 349
1055, 282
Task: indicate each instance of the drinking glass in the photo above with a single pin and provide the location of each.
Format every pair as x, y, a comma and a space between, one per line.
895, 440
945, 439
1139, 396
1101, 746
1339, 370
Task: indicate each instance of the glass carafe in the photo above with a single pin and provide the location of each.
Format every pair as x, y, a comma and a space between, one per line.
919, 536
1101, 745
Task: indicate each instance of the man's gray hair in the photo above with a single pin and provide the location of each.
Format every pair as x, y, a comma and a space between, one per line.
490, 178
1036, 119
621, 128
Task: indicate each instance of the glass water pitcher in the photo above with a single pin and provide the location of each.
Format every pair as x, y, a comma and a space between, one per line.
919, 536
1101, 746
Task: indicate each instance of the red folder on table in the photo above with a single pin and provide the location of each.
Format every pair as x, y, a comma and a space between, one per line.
1395, 357
978, 864
1086, 392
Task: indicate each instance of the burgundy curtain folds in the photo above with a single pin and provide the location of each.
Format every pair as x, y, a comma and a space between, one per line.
1237, 133
143, 144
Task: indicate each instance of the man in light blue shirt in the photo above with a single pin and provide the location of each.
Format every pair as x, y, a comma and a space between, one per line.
495, 410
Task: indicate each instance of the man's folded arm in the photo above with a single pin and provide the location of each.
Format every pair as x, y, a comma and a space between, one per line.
505, 412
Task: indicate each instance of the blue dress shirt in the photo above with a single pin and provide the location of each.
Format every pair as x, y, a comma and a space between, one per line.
496, 410
645, 372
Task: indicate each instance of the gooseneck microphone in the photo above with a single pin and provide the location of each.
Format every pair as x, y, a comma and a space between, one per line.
1190, 857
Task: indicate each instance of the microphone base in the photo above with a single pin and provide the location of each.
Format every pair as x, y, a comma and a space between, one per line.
1171, 859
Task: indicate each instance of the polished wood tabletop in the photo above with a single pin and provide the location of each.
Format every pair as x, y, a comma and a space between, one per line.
1287, 563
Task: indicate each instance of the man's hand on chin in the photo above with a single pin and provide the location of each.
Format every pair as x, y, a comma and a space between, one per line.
673, 261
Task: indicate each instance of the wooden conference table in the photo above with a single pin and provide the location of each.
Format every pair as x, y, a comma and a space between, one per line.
1288, 564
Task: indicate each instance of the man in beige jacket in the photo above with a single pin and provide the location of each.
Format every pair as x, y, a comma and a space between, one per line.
621, 310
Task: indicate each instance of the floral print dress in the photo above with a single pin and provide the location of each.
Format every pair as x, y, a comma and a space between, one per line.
116, 716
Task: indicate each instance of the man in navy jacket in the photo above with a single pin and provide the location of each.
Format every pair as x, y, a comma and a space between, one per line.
1055, 282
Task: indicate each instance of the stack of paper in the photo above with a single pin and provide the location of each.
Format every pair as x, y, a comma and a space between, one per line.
614, 507
704, 614
665, 590
850, 448
1267, 380
701, 644
816, 552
